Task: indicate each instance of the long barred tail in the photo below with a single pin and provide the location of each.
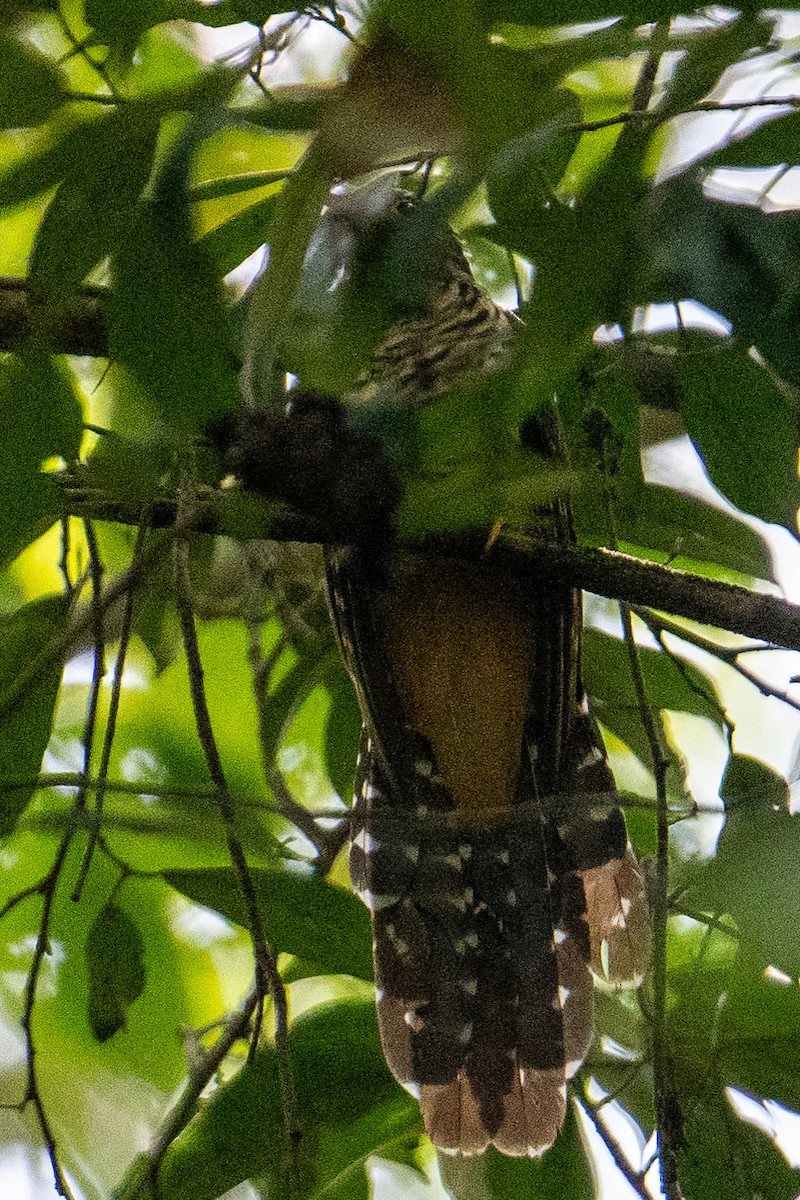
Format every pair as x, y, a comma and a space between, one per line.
483, 948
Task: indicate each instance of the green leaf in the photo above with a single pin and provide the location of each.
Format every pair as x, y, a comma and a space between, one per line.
576, 12
668, 525
116, 972
302, 914
755, 876
342, 736
726, 1159
758, 1029
524, 172
745, 431
92, 212
563, 1173
154, 616
217, 15
586, 253
258, 12
389, 1130
344, 1093
97, 140
168, 319
123, 21
607, 676
296, 108
40, 417
736, 259
775, 142
26, 717
230, 243
31, 87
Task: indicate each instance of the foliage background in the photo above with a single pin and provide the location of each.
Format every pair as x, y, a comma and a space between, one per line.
128, 162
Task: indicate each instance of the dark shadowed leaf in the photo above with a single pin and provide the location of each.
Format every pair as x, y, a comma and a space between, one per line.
776, 141
734, 258
121, 22
670, 525
258, 12
93, 210
745, 431
563, 1173
342, 735
26, 717
115, 968
40, 417
169, 325
725, 1159
755, 875
31, 87
758, 1028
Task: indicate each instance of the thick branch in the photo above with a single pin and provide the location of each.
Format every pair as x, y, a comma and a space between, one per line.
622, 577
605, 572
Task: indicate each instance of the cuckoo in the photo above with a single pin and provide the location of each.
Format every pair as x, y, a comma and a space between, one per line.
487, 841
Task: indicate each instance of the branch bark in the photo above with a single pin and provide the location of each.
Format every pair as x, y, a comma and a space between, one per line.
605, 572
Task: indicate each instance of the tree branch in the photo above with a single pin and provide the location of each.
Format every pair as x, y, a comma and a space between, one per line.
605, 572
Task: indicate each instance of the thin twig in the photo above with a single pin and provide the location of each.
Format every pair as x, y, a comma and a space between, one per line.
634, 1178
665, 1100
702, 106
267, 974
80, 47
666, 1103
59, 647
47, 889
726, 654
76, 779
111, 725
99, 651
142, 1178
327, 843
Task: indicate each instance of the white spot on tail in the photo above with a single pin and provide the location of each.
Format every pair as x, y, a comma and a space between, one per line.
375, 902
365, 841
